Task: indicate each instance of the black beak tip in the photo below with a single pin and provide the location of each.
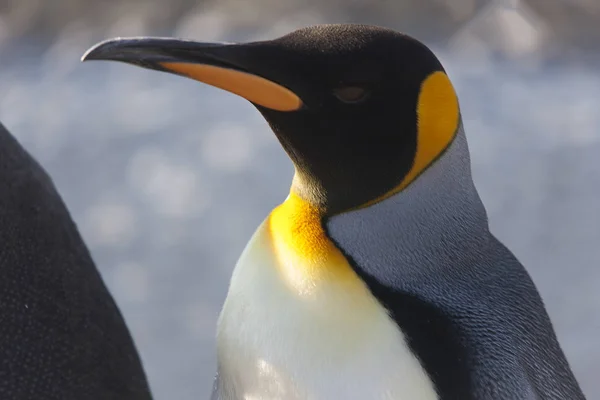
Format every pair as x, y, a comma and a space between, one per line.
99, 51
113, 49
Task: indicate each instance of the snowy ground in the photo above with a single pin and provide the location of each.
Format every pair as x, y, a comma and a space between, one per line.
168, 178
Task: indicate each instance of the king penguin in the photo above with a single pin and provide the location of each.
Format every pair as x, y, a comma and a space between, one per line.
62, 337
377, 278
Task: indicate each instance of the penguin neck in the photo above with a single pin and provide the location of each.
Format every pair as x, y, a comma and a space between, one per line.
437, 215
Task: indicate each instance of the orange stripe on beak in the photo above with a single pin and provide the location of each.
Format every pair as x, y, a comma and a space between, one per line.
254, 88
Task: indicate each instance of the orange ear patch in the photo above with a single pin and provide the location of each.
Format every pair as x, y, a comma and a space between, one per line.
437, 124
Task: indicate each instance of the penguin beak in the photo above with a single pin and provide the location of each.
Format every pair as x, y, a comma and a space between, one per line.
224, 65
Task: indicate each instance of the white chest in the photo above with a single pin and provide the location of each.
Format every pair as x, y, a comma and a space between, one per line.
275, 343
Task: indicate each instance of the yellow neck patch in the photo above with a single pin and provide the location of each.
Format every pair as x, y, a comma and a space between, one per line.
437, 123
306, 256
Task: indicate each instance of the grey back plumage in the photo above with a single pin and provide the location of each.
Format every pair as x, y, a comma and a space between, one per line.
469, 309
62, 336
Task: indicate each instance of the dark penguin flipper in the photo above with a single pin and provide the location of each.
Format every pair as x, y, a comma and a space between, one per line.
62, 337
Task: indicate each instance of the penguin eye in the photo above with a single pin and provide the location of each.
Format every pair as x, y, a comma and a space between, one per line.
351, 94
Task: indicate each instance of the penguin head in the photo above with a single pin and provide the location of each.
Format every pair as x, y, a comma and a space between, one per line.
361, 110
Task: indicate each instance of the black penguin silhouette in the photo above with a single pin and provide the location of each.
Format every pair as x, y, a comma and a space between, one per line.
62, 336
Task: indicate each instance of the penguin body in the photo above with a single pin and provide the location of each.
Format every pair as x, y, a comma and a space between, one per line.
62, 337
378, 276
467, 334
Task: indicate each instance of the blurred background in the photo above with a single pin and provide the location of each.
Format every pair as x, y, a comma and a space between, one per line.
168, 178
